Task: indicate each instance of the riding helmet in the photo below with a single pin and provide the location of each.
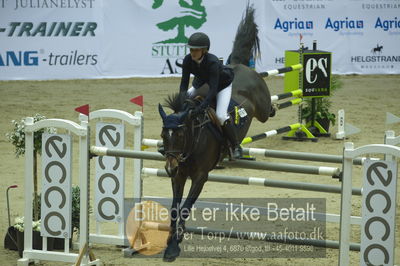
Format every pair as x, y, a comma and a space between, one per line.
199, 40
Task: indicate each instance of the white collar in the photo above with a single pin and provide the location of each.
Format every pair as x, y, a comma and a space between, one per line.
201, 59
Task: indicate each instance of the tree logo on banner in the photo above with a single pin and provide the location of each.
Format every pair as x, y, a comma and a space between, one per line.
193, 15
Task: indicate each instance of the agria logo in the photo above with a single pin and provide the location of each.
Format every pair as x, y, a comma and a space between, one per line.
19, 58
190, 14
295, 24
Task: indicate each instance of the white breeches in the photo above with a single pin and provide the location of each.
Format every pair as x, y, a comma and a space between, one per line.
223, 99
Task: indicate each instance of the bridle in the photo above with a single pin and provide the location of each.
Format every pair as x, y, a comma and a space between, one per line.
190, 139
179, 155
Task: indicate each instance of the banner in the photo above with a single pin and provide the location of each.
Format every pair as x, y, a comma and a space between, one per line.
74, 39
363, 35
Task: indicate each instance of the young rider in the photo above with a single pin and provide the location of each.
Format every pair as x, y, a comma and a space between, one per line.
208, 69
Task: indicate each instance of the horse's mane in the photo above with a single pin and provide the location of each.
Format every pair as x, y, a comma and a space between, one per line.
246, 40
176, 101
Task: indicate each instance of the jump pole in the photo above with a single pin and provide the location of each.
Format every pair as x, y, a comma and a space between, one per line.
291, 155
282, 70
270, 133
258, 181
324, 217
296, 101
282, 167
289, 103
295, 93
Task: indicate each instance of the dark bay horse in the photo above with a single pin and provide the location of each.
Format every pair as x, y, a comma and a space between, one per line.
192, 149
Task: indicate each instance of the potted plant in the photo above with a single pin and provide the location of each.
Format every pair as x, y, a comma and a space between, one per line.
322, 105
59, 242
19, 225
17, 138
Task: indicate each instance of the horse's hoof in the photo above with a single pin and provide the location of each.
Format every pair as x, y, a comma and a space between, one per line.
171, 255
171, 252
165, 259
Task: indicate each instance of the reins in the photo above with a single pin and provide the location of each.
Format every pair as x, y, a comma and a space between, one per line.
190, 146
192, 134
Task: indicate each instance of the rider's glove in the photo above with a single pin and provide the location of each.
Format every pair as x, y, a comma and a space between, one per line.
204, 105
197, 110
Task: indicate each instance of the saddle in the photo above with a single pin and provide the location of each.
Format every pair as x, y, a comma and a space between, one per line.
209, 118
238, 117
210, 112
237, 114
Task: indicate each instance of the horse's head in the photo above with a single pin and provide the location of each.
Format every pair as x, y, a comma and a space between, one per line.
176, 135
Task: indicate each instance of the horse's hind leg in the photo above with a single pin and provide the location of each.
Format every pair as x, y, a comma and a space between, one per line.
172, 251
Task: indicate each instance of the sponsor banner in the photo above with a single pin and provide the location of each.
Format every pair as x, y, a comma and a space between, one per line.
68, 39
42, 39
153, 34
361, 34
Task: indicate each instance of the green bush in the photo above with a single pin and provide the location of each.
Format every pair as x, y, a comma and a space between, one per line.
17, 135
322, 104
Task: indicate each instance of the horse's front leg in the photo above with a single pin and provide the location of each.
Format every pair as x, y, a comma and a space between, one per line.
178, 184
198, 182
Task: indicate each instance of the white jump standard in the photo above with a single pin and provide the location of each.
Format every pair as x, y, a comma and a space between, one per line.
56, 218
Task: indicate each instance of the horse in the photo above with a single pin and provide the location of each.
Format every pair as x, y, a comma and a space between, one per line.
191, 143
377, 49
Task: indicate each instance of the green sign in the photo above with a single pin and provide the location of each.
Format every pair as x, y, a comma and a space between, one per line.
315, 79
194, 16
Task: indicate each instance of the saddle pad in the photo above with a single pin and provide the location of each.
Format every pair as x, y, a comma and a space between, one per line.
238, 114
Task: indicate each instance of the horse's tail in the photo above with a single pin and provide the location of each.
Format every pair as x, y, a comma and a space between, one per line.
246, 41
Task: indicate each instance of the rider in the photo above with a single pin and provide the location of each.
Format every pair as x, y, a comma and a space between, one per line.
208, 69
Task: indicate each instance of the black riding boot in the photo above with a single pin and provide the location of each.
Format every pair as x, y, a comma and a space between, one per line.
230, 134
161, 150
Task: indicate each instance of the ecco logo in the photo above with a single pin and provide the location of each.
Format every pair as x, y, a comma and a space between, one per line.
56, 196
378, 213
109, 174
19, 58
